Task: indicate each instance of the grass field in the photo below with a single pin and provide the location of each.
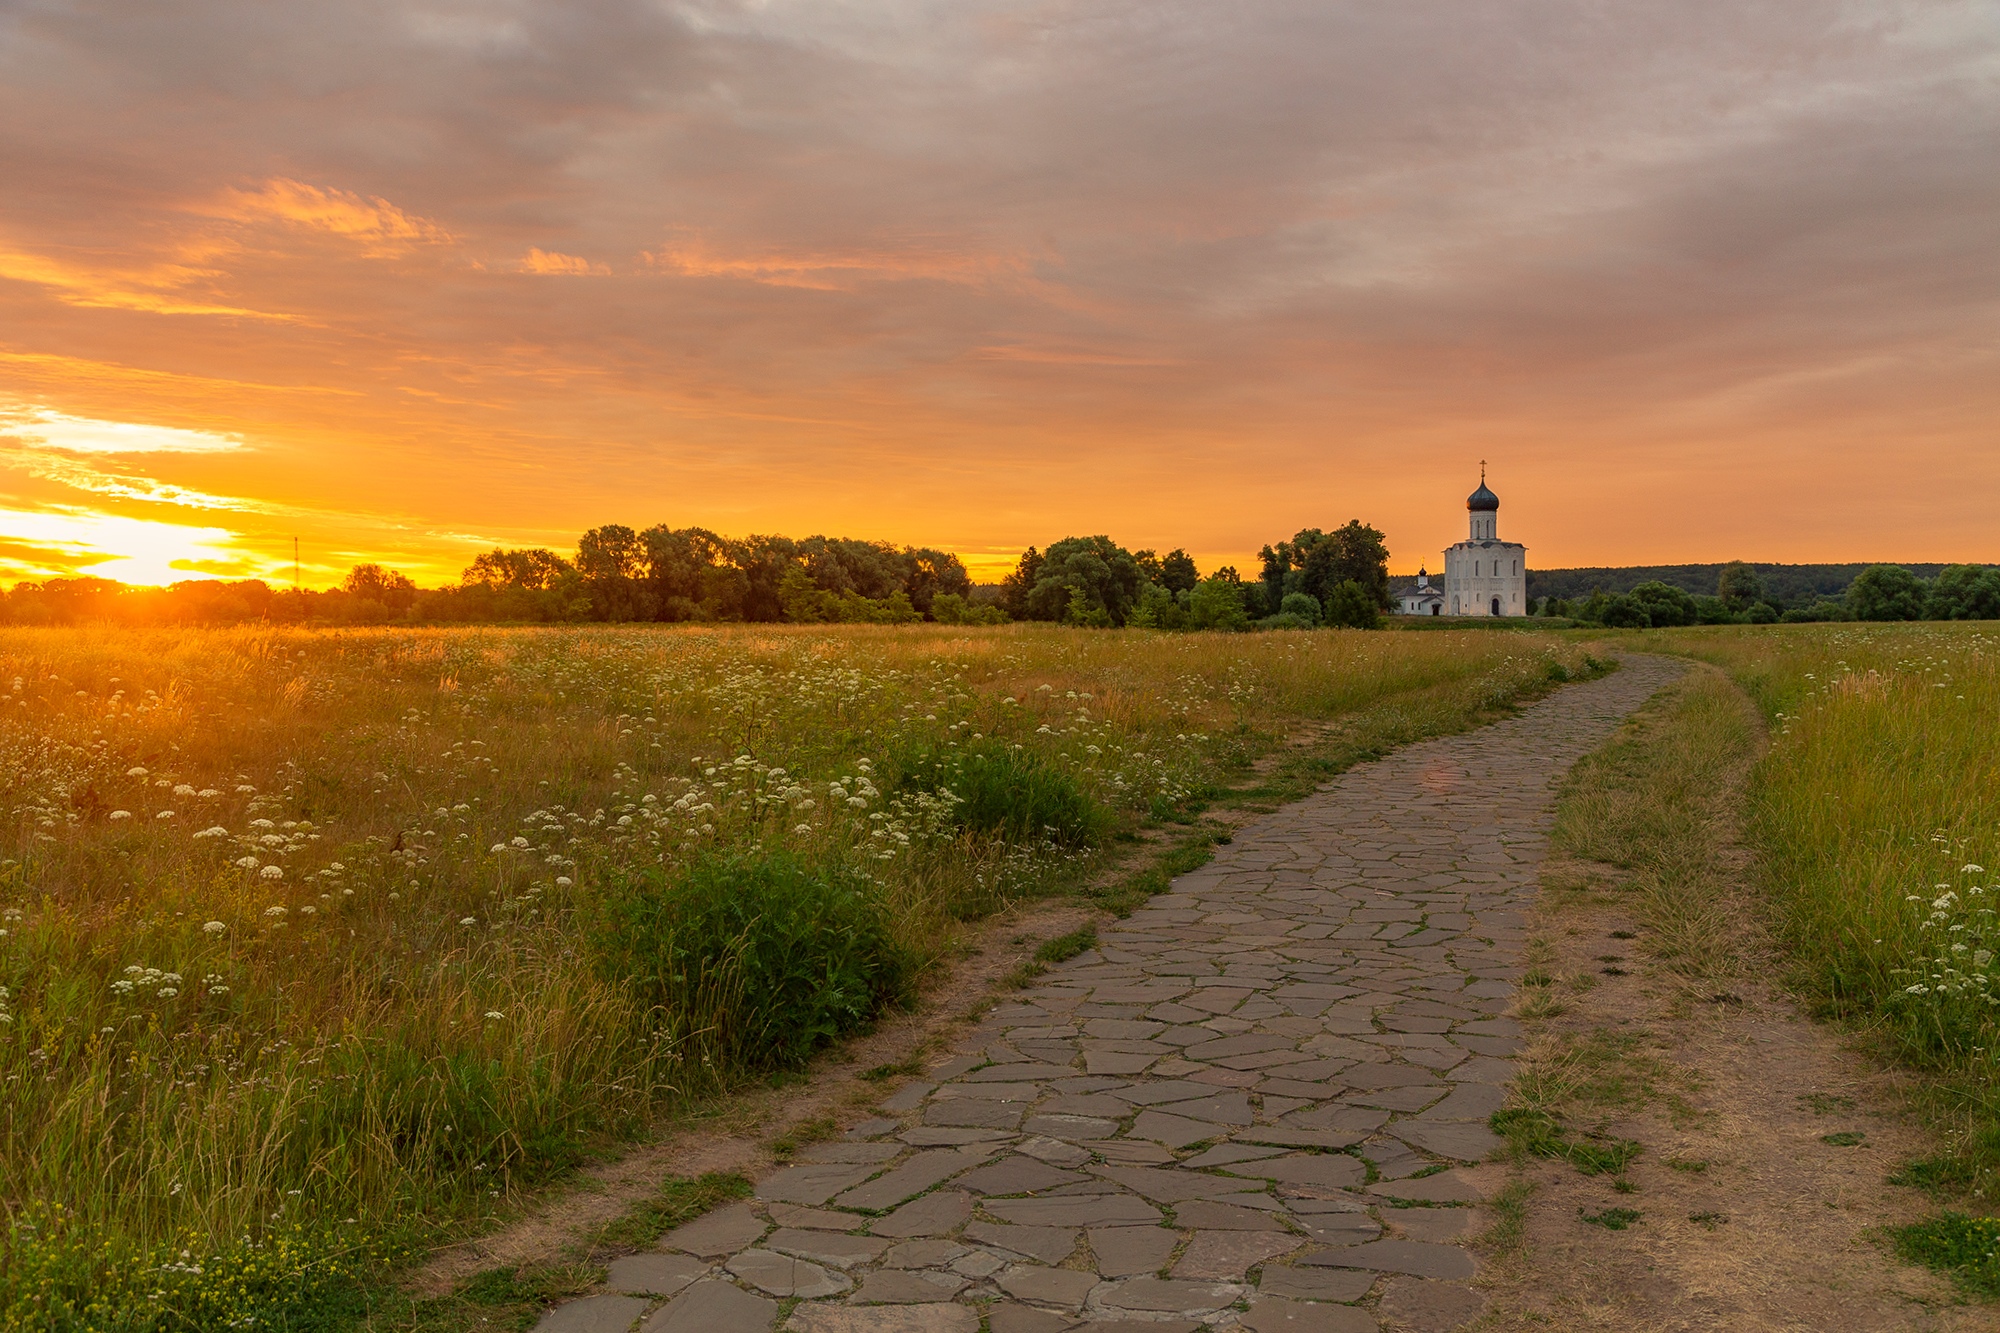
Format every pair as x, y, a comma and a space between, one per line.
315, 947
1877, 813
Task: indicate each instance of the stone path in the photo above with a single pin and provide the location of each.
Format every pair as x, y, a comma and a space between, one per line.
1244, 1108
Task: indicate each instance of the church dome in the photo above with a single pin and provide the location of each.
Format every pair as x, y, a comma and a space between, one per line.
1482, 500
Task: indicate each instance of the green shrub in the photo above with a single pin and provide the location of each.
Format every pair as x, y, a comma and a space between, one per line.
1301, 604
1351, 604
760, 958
1007, 792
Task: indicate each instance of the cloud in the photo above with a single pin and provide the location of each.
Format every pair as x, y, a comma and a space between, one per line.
977, 274
378, 225
552, 262
38, 425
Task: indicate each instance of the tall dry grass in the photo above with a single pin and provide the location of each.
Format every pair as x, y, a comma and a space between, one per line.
293, 921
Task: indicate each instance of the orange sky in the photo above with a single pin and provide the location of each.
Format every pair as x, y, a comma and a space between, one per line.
406, 281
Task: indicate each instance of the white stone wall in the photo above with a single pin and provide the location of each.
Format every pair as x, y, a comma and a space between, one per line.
1476, 572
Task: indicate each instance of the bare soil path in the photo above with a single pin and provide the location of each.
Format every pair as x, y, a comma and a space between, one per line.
1762, 1186
1260, 1101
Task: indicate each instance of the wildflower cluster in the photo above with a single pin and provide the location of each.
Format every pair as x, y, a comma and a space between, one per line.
1959, 933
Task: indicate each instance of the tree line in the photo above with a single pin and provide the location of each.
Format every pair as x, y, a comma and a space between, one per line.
663, 574
1876, 593
1316, 578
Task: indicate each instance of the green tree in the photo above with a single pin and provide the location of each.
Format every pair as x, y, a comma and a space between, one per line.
1217, 603
1351, 604
1014, 588
1964, 592
1664, 604
1739, 585
1177, 572
612, 563
1083, 580
386, 587
1886, 592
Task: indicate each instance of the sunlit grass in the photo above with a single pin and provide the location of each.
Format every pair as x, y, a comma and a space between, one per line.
297, 925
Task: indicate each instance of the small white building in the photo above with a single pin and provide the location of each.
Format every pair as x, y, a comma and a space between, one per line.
1425, 599
1484, 576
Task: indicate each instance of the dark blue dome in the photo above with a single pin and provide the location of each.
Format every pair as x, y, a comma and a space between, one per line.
1482, 501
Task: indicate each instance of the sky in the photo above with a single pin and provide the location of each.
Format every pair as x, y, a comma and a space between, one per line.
406, 281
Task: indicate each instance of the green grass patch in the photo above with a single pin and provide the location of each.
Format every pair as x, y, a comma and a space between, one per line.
1536, 1133
1611, 1219
1968, 1248
1065, 947
757, 959
679, 1200
1005, 791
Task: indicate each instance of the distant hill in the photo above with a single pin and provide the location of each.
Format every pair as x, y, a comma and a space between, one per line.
1791, 584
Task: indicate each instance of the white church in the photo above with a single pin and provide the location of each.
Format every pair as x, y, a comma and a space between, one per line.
1483, 576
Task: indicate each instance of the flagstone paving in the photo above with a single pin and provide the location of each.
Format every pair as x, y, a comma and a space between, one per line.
1246, 1107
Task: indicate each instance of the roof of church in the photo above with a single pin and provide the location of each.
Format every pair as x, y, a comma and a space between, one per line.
1482, 500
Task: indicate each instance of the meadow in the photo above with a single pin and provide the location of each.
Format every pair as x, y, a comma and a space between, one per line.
317, 948
1876, 814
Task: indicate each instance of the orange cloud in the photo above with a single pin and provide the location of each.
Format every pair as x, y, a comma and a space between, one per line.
538, 260
152, 288
911, 261
381, 226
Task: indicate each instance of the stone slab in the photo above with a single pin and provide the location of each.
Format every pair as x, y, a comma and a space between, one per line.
593, 1314
653, 1274
932, 1215
1275, 1314
723, 1231
1132, 1251
1231, 1254
934, 1318
713, 1306
786, 1275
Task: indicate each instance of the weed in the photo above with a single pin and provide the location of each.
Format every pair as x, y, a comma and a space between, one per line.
817, 1130
1694, 1166
1847, 1138
1822, 1103
1624, 1186
1708, 1221
1938, 1175
1065, 947
1539, 1134
1611, 1219
900, 1069
1510, 1215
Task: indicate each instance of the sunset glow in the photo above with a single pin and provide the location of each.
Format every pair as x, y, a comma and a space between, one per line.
404, 284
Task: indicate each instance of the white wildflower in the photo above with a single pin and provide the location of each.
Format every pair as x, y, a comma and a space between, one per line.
164, 814
468, 921
213, 831
494, 1013
248, 862
135, 772
213, 928
274, 911
271, 872
121, 814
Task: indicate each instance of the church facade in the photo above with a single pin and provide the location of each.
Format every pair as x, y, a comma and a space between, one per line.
1484, 576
